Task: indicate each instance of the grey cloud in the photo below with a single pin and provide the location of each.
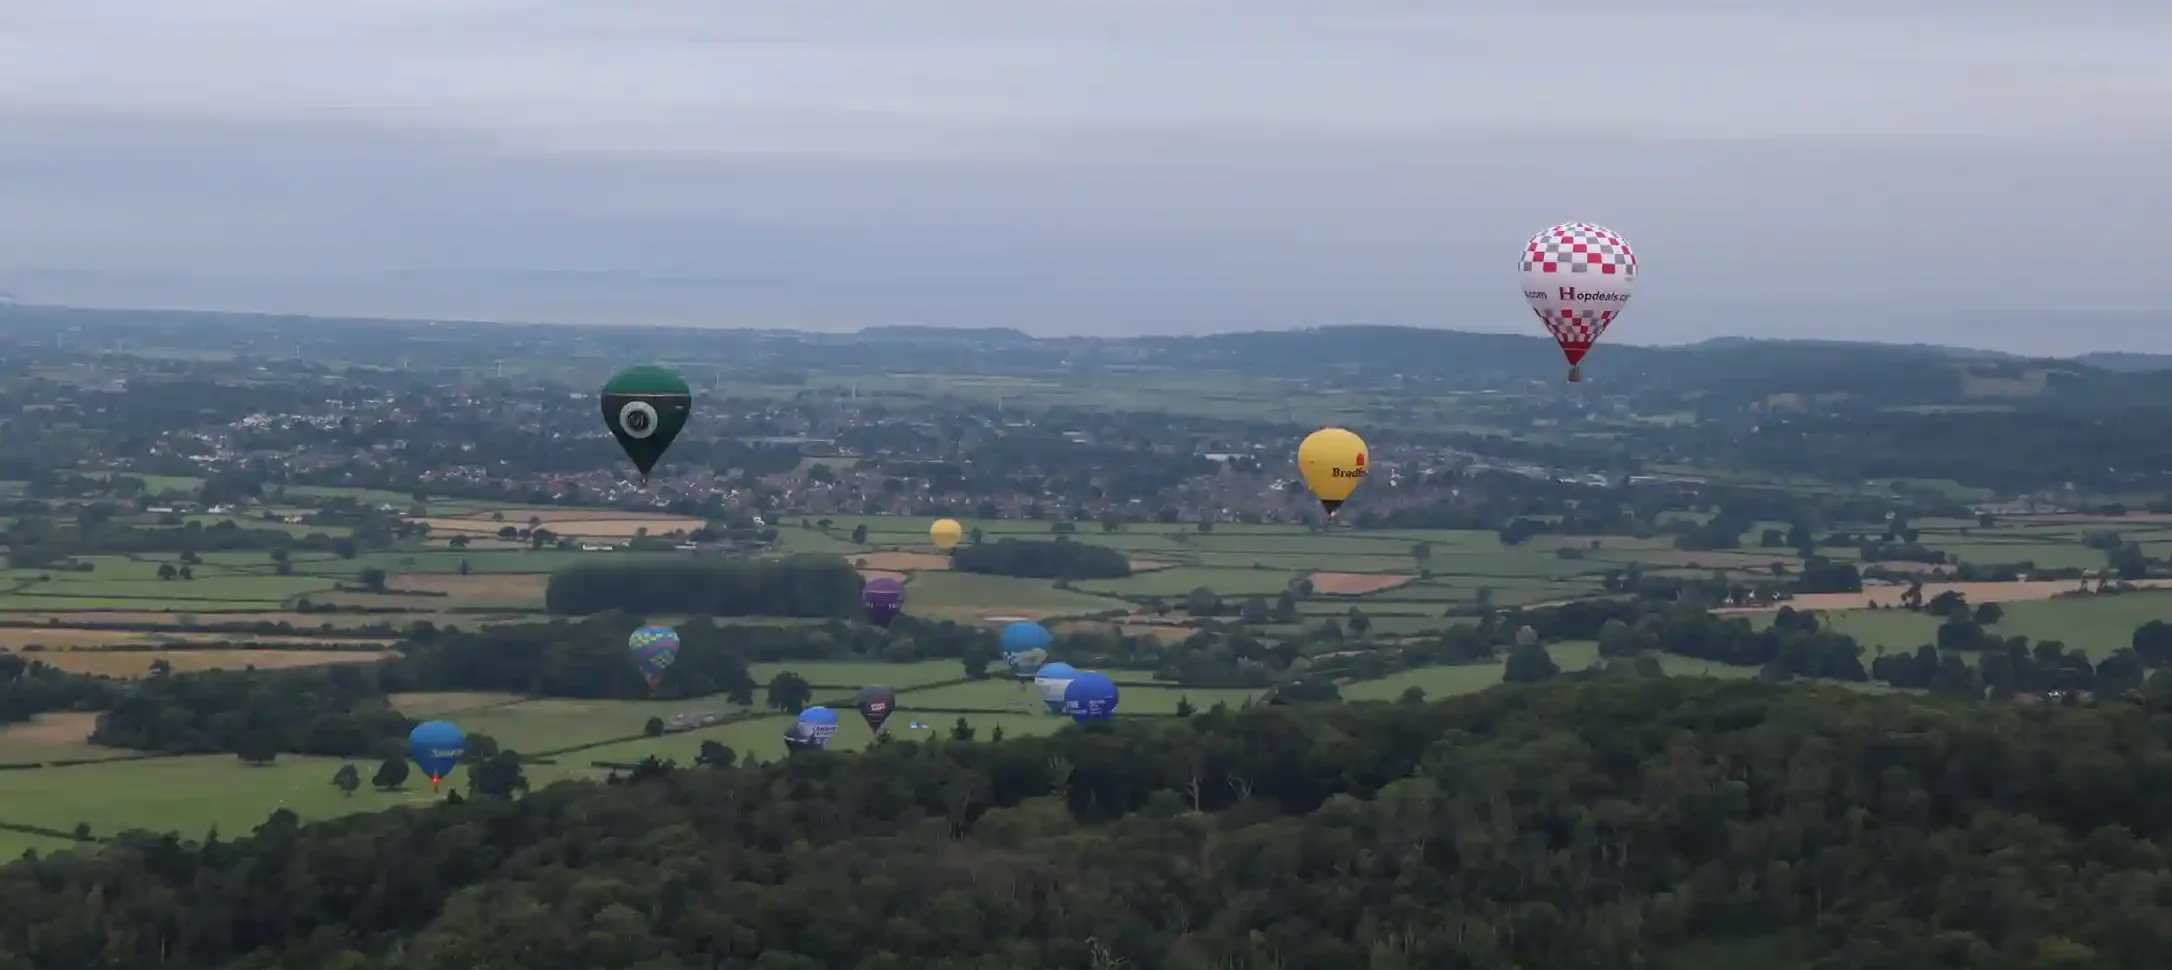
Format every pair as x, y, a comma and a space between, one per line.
1885, 171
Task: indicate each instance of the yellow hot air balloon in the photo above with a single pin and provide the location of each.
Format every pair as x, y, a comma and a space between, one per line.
945, 533
1332, 460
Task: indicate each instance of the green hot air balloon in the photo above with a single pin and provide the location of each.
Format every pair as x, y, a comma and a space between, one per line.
645, 407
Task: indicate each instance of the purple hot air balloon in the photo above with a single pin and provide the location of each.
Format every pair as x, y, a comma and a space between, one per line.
884, 598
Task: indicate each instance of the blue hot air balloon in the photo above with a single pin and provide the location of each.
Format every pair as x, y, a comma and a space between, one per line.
1091, 697
653, 648
1025, 645
1051, 682
813, 729
436, 746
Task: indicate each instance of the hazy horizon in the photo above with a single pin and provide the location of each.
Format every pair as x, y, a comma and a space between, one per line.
1878, 172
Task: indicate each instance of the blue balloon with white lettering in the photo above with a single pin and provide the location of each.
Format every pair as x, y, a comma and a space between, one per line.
1090, 697
1025, 647
436, 746
813, 728
1051, 682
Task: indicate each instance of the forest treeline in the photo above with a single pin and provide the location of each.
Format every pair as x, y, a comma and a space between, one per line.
1689, 824
802, 585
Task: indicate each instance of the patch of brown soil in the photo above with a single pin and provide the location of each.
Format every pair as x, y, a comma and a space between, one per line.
1976, 593
57, 730
136, 663
1147, 565
1355, 584
900, 561
476, 586
1163, 632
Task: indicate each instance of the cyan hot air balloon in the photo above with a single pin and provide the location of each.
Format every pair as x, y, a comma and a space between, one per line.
813, 728
436, 746
1091, 697
653, 648
1025, 646
884, 598
1051, 682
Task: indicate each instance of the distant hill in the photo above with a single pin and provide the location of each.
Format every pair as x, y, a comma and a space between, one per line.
2125, 362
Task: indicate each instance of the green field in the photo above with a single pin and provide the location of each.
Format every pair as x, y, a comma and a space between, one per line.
2097, 624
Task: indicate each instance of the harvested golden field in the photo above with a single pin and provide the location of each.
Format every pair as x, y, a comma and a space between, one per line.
1976, 593
509, 591
305, 621
1166, 633
1355, 584
475, 585
900, 561
575, 524
136, 663
71, 638
57, 730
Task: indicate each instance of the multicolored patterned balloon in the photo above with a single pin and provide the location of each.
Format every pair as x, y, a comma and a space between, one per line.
653, 648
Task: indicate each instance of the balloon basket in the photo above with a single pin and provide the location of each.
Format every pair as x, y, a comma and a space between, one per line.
1576, 373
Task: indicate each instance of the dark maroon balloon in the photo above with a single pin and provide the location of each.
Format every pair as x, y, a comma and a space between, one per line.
884, 599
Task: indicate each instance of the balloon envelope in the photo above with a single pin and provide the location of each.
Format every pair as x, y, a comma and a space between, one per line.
884, 598
945, 533
876, 704
646, 407
1051, 682
1025, 645
436, 746
1333, 464
1090, 697
814, 728
1577, 277
653, 648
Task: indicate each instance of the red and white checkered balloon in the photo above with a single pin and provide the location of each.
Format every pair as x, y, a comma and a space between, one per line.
1577, 278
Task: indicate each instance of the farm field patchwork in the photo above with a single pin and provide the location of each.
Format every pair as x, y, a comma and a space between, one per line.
137, 663
2096, 624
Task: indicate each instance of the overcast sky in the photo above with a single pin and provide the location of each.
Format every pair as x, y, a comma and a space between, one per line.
1988, 173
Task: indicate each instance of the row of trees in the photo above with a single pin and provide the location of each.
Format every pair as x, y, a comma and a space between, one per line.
1644, 822
1038, 559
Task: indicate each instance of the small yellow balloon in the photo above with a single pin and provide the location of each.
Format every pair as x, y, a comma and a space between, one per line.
1332, 461
945, 533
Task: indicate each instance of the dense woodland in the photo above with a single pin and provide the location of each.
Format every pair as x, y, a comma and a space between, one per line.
804, 586
1651, 823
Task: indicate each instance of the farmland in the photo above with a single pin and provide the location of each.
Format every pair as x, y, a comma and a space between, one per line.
193, 794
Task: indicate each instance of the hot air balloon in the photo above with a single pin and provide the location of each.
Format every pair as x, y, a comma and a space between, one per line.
884, 598
1091, 697
436, 746
876, 705
1577, 278
1051, 681
1332, 461
945, 534
645, 407
1025, 646
653, 648
813, 728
